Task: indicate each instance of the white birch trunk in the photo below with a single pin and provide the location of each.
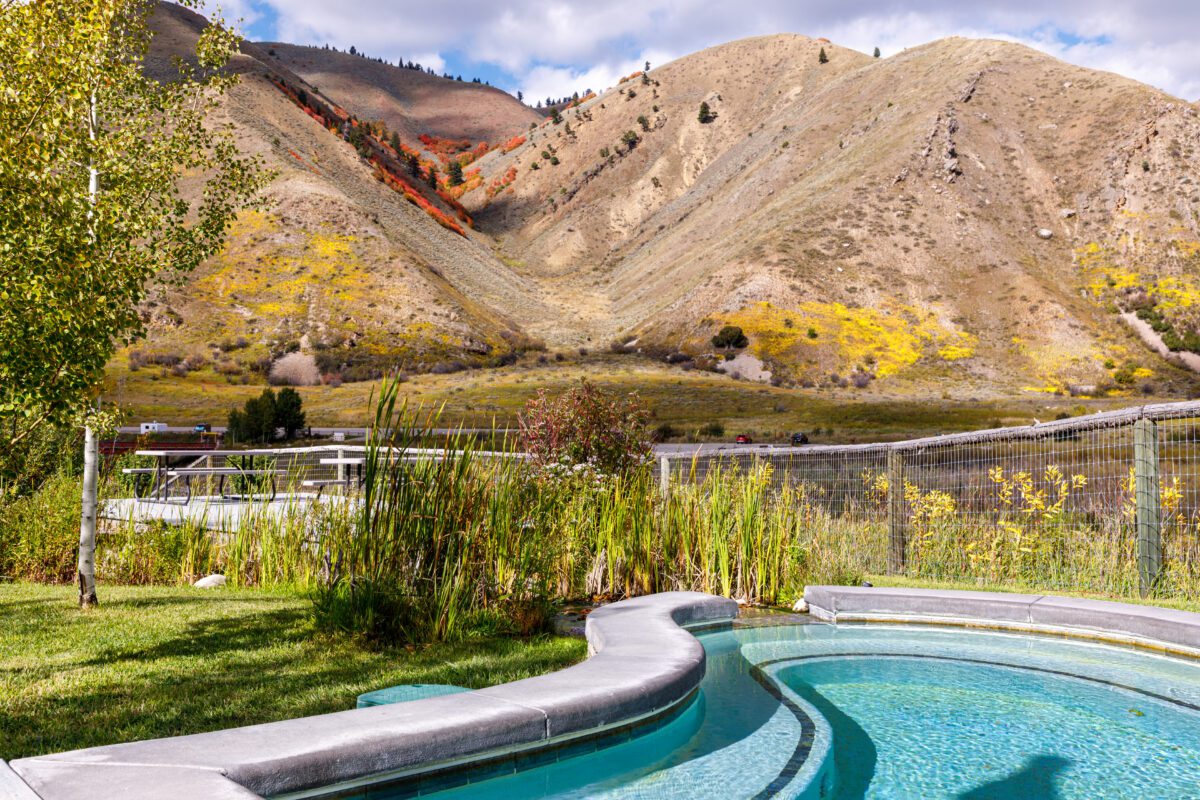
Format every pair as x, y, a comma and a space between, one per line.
91, 446
87, 525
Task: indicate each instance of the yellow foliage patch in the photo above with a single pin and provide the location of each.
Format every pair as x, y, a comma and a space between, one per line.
889, 338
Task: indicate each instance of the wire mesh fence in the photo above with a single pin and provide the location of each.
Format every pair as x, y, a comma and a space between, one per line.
1107, 503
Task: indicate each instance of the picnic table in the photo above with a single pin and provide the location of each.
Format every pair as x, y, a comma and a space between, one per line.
164, 473
341, 461
358, 462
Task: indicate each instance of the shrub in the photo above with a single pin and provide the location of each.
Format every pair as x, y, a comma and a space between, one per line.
194, 361
39, 532
705, 115
715, 429
295, 369
447, 367
645, 123
229, 345
730, 337
586, 425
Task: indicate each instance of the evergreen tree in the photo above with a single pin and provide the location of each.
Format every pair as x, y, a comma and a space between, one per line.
705, 113
455, 173
395, 142
877, 52
353, 52
289, 412
433, 182
822, 58
520, 96
256, 421
414, 165
730, 337
555, 117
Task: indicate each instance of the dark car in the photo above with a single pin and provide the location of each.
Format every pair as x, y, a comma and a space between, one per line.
799, 438
743, 439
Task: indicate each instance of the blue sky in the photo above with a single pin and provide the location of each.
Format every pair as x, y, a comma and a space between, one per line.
553, 47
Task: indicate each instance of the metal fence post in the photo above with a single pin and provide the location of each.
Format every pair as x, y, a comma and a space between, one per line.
664, 475
1146, 495
897, 536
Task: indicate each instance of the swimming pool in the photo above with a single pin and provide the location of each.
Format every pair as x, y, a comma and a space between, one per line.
890, 711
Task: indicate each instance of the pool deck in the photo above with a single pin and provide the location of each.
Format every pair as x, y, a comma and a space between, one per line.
643, 663
1163, 629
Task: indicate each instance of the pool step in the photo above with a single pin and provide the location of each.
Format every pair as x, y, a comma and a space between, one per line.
406, 692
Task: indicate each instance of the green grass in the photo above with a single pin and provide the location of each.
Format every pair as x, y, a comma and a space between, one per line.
686, 399
159, 661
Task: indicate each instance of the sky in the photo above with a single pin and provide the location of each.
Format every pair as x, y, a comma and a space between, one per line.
551, 48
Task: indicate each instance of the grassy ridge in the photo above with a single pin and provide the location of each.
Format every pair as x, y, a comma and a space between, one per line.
687, 400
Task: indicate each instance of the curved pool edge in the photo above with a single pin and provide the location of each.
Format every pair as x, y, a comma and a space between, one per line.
1155, 628
643, 662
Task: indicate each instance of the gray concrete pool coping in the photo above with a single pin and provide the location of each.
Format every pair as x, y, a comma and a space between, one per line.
643, 661
1157, 628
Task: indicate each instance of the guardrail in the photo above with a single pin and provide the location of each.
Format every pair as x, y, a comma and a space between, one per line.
300, 469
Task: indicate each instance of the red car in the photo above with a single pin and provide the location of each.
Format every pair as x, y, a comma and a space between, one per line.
743, 439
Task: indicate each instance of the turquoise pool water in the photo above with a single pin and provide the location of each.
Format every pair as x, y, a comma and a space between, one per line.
897, 712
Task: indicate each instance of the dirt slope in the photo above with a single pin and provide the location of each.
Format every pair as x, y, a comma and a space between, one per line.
409, 101
336, 264
872, 216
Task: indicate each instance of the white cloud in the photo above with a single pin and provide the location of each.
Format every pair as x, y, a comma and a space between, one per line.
551, 44
238, 13
542, 81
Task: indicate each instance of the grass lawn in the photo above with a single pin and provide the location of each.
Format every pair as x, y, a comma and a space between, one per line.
164, 661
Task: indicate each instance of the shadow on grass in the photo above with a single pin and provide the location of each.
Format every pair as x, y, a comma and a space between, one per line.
142, 670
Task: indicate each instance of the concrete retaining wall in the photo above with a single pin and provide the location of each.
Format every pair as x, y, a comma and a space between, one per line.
1159, 628
643, 662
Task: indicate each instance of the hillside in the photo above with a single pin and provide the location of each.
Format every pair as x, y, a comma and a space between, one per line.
411, 102
968, 217
878, 217
338, 265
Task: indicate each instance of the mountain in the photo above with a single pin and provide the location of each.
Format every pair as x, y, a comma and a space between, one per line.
354, 270
966, 216
966, 210
409, 101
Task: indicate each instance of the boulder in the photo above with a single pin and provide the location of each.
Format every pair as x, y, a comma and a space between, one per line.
1045, 233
